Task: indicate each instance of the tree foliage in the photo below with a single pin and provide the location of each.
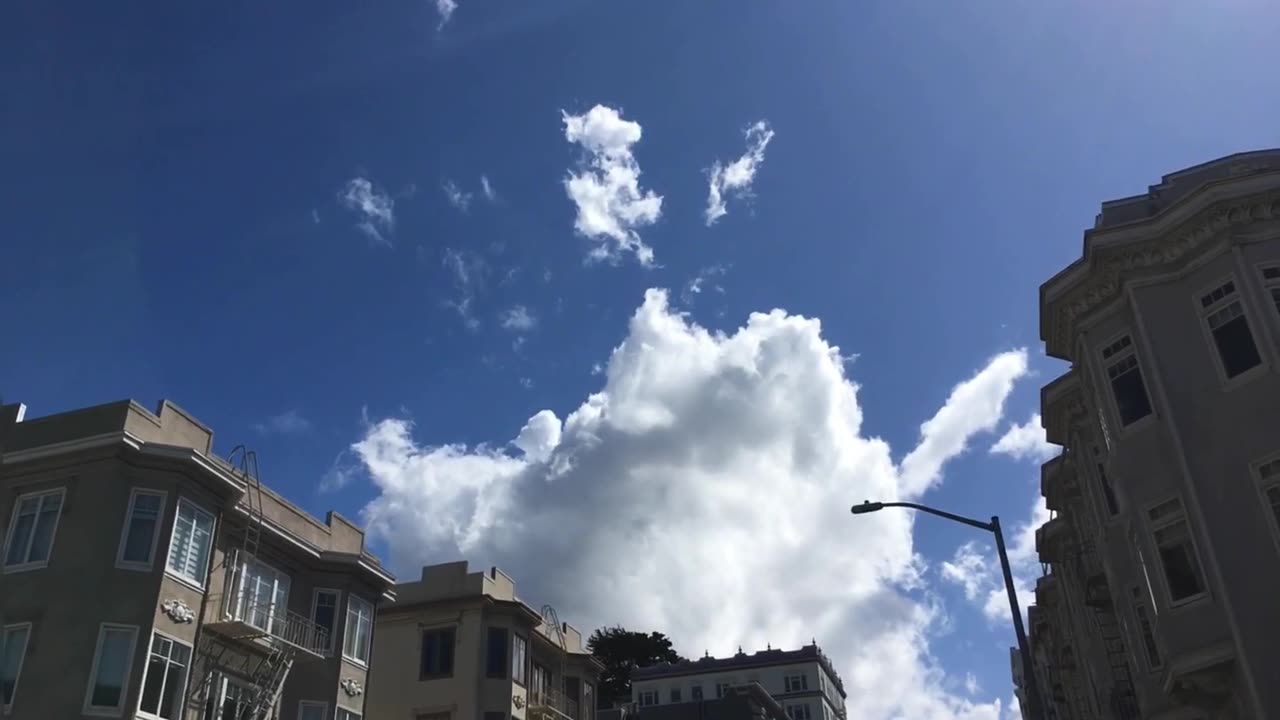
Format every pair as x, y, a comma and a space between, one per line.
622, 651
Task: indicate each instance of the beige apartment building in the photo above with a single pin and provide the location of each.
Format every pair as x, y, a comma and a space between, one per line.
803, 682
144, 577
459, 645
1162, 557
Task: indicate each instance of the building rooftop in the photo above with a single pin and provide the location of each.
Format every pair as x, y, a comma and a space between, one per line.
760, 658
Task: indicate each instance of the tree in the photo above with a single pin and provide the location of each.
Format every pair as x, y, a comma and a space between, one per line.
622, 651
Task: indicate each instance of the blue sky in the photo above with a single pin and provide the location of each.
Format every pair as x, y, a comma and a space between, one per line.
173, 224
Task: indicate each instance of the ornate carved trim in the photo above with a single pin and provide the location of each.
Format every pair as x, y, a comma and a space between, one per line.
351, 687
178, 611
1107, 265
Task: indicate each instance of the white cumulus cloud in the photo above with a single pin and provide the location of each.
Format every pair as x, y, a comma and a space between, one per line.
976, 568
736, 177
445, 9
375, 207
518, 318
705, 463
1025, 442
606, 188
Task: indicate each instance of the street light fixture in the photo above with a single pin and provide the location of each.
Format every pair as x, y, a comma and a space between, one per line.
993, 527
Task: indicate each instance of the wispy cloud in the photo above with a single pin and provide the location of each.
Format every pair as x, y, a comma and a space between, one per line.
606, 187
705, 278
736, 177
485, 186
1025, 442
290, 422
445, 9
375, 208
457, 197
468, 270
519, 319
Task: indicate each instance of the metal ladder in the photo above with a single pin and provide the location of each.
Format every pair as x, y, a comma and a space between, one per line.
1123, 700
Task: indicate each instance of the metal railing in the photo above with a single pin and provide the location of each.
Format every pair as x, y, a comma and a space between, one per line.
283, 624
552, 702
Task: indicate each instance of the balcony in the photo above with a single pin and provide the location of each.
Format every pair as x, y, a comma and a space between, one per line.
550, 704
1049, 539
250, 622
1097, 593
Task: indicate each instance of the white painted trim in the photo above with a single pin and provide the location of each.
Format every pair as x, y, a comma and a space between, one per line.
13, 522
22, 657
123, 564
1152, 527
238, 591
186, 677
350, 714
117, 711
68, 446
198, 584
346, 627
304, 704
337, 615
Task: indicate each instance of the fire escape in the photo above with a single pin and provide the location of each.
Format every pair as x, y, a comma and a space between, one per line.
548, 700
254, 640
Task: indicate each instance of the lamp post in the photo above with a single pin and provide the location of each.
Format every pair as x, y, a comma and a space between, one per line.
993, 527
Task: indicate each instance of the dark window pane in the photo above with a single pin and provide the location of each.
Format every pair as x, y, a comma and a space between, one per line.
496, 660
1181, 570
155, 680
1235, 343
1131, 396
1107, 491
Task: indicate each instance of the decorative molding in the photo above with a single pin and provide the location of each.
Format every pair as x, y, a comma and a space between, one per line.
351, 687
178, 611
518, 701
1103, 281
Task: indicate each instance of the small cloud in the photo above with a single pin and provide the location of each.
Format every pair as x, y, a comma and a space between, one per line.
489, 193
315, 216
519, 319
546, 276
736, 177
606, 187
699, 281
526, 383
289, 422
457, 198
1025, 442
468, 270
445, 9
375, 208
971, 685
597, 369
345, 468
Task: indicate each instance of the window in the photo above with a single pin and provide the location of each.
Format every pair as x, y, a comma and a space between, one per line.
1145, 629
541, 681
495, 663
345, 714
359, 631
1271, 278
675, 695
109, 675
324, 613
437, 653
141, 526
519, 654
1177, 553
189, 546
1269, 476
722, 689
588, 706
31, 530
230, 700
796, 682
1127, 386
165, 682
798, 712
1108, 493
648, 697
313, 710
13, 649
1224, 317
262, 596
695, 692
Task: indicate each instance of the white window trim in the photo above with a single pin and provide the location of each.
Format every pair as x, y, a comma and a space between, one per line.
350, 714
1113, 407
346, 627
123, 564
117, 711
275, 613
13, 525
186, 682
338, 617
22, 657
213, 537
1261, 485
1195, 548
1203, 314
323, 705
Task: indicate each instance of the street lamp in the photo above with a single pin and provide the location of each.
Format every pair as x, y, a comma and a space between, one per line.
993, 527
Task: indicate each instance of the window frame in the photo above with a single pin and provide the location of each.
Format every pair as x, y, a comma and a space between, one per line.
347, 626
695, 692
186, 679
274, 614
674, 694
322, 704
523, 680
337, 616
1152, 528
1261, 485
350, 714
452, 631
123, 564
500, 670
5, 568
1113, 403
1136, 603
6, 708
213, 538
648, 698
1270, 284
1203, 313
87, 708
